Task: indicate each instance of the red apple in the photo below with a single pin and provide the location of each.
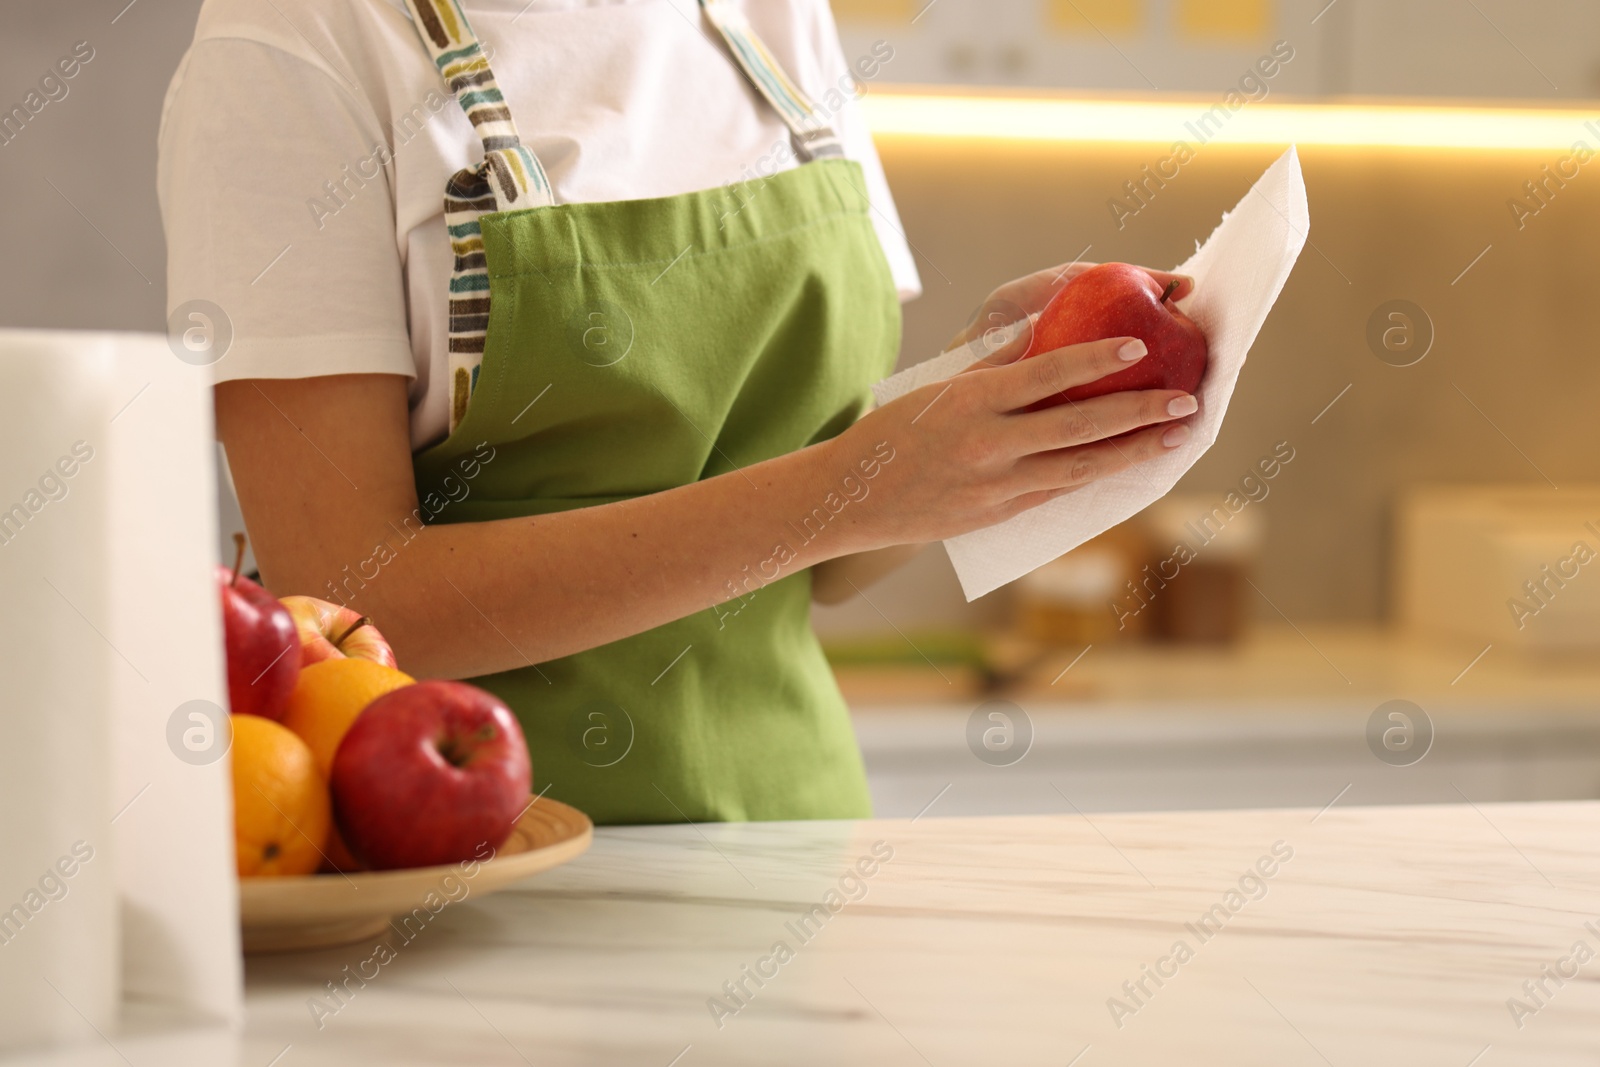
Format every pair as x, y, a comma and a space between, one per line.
333, 631
1118, 300
263, 650
428, 774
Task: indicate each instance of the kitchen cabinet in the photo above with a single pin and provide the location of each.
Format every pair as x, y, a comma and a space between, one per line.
1279, 719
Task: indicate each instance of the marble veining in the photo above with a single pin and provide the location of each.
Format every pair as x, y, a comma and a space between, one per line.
1350, 937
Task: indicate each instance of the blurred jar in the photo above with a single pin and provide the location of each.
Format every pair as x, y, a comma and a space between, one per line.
1070, 600
1194, 579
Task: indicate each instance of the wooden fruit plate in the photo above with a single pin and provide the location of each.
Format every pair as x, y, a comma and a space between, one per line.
321, 910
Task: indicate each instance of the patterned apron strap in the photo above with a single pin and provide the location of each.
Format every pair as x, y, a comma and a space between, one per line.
813, 135
511, 177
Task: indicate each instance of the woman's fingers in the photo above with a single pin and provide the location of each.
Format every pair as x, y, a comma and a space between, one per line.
1018, 299
1050, 373
1073, 468
1082, 422
1026, 296
1033, 291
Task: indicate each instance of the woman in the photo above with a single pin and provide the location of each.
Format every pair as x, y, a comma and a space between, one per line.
619, 367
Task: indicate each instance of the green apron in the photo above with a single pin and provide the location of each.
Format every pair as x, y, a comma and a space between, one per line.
632, 347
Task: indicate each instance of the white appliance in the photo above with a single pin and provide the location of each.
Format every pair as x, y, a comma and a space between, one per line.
1516, 566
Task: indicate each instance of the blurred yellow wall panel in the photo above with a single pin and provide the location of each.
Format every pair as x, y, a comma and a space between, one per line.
873, 10
1238, 20
1093, 17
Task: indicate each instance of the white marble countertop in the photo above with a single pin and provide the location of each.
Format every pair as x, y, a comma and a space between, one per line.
1389, 936
1455, 936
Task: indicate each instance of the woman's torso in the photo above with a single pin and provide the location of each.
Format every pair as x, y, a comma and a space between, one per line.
619, 101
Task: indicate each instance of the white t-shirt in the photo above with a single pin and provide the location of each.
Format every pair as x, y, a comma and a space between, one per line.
329, 257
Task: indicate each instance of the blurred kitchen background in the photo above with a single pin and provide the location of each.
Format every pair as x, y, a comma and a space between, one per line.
1430, 370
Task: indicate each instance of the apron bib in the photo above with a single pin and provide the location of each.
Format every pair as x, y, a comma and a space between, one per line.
604, 351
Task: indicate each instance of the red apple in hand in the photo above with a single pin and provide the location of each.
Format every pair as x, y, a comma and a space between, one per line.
428, 774
263, 650
1118, 300
333, 631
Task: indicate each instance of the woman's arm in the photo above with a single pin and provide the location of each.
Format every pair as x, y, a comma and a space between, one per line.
1026, 296
323, 471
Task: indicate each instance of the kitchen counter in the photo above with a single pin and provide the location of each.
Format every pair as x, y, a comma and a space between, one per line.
1272, 664
1371, 936
1345, 937
1284, 718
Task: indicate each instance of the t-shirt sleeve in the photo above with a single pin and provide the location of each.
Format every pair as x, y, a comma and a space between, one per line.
851, 127
276, 199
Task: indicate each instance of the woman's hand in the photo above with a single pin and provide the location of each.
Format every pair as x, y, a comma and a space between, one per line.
838, 579
1026, 296
966, 452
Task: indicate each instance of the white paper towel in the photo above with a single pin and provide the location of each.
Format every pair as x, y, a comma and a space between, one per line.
175, 834
96, 662
1238, 274
58, 890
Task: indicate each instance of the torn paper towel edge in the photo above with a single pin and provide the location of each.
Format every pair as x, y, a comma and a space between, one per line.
1249, 255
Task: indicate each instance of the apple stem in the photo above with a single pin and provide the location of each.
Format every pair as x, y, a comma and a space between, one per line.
338, 642
238, 558
1171, 288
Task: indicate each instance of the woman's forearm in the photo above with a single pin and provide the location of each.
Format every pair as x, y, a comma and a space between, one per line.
462, 599
472, 598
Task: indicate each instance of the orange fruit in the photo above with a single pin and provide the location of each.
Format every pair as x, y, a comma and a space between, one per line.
328, 697
281, 810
